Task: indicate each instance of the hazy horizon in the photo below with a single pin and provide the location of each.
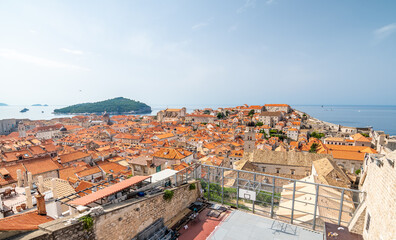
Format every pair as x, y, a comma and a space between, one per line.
198, 53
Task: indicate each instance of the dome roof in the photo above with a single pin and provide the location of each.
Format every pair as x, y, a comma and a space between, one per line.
62, 129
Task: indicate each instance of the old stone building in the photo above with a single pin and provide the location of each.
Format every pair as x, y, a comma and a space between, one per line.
7, 126
200, 118
271, 118
277, 108
292, 163
249, 138
170, 115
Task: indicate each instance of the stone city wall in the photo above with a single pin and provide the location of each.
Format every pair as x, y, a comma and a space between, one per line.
123, 220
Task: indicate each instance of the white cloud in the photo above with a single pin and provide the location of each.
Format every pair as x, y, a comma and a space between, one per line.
248, 4
14, 55
233, 28
75, 52
33, 31
385, 31
199, 25
270, 1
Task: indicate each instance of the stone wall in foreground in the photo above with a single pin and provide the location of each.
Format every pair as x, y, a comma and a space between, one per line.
123, 220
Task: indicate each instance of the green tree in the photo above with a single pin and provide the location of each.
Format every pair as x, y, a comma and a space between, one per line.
317, 135
207, 112
118, 105
220, 115
313, 148
259, 124
251, 113
273, 131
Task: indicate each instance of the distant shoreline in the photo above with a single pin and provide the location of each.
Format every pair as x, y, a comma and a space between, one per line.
99, 113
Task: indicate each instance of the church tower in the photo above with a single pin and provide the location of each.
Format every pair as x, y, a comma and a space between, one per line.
106, 118
249, 138
21, 129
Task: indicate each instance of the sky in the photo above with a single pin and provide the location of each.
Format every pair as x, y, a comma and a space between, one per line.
198, 52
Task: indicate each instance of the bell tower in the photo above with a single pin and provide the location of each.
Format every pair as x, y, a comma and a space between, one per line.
21, 129
249, 138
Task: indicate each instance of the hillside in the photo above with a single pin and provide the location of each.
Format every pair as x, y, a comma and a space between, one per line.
118, 105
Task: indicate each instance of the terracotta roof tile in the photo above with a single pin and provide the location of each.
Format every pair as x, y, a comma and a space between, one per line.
23, 222
40, 165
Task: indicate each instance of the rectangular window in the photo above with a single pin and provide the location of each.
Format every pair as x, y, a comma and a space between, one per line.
278, 170
263, 170
292, 171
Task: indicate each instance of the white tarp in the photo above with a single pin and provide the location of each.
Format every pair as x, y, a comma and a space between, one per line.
156, 177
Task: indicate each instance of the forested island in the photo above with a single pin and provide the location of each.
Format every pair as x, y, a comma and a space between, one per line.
40, 105
118, 105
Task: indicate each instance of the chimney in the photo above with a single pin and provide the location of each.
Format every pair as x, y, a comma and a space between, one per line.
41, 183
149, 162
29, 202
19, 177
30, 180
53, 188
40, 204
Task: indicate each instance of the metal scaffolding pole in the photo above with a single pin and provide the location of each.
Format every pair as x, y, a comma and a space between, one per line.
254, 182
294, 195
237, 203
341, 203
222, 186
208, 183
316, 206
272, 197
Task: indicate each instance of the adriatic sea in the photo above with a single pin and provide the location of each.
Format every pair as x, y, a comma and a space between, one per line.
378, 117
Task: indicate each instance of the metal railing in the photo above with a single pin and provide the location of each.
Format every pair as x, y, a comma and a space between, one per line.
300, 202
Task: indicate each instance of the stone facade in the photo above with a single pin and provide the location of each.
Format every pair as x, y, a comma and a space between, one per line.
294, 163
170, 115
379, 182
271, 118
277, 169
123, 220
350, 165
277, 108
249, 139
7, 126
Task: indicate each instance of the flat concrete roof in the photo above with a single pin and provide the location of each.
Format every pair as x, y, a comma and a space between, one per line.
242, 225
161, 175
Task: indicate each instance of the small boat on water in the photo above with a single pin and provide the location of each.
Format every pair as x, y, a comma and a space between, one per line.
24, 110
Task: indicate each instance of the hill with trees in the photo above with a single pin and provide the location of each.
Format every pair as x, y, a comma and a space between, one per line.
118, 105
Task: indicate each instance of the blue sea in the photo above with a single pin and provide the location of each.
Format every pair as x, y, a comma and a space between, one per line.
378, 117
